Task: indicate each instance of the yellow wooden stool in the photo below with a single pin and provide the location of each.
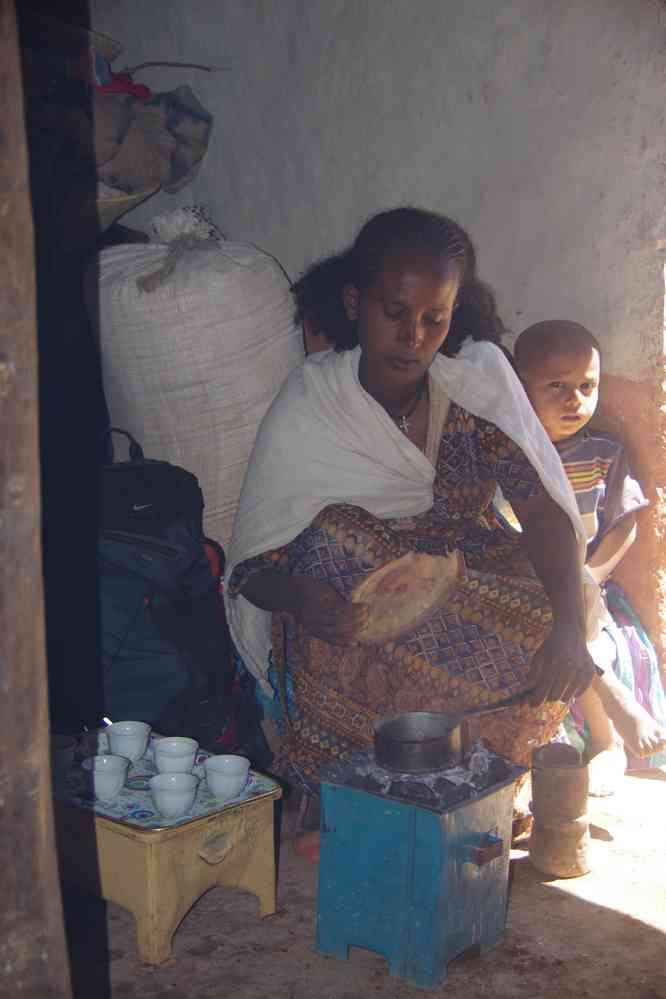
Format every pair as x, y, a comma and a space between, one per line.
158, 874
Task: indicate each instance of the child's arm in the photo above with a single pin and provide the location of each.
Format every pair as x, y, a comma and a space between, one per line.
612, 548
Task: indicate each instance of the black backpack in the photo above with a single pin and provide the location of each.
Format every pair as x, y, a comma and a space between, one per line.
166, 650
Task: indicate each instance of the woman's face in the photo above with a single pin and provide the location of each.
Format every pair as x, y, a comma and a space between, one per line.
404, 317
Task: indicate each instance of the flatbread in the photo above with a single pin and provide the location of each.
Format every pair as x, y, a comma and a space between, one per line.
402, 594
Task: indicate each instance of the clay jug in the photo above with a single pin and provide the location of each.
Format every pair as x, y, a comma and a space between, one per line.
560, 839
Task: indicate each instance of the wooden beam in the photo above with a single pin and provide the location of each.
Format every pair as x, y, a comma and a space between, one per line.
33, 956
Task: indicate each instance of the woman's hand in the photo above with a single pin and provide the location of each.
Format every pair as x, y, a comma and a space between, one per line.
318, 606
562, 667
325, 614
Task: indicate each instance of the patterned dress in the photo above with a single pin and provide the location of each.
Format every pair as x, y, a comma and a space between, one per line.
474, 651
598, 469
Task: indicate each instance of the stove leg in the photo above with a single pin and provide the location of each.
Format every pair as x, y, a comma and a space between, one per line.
328, 942
490, 941
424, 975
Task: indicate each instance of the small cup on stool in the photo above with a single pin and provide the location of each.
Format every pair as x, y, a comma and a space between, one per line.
106, 775
128, 739
175, 754
226, 776
173, 793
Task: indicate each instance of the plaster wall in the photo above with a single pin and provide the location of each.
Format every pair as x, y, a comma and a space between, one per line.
538, 125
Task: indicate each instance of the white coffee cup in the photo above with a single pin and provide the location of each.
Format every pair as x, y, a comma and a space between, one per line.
173, 794
226, 776
175, 754
106, 775
128, 739
62, 753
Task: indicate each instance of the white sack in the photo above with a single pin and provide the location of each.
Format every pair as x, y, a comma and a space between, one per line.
191, 367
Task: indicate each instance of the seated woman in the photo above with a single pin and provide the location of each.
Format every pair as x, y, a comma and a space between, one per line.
385, 452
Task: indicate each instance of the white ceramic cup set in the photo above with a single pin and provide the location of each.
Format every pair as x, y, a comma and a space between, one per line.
174, 792
118, 745
226, 776
106, 775
174, 787
126, 738
175, 754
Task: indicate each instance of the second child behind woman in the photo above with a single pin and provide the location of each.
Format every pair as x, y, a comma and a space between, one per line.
559, 365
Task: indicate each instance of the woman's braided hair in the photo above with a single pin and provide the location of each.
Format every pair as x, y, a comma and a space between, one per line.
318, 293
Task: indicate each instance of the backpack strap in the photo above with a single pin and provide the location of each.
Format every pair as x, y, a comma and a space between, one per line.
135, 449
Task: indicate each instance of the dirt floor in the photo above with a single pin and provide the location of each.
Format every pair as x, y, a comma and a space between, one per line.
601, 935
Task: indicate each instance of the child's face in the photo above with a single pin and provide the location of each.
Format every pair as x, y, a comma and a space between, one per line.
564, 390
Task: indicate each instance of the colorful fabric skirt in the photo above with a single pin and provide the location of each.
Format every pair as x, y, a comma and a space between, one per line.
476, 650
635, 663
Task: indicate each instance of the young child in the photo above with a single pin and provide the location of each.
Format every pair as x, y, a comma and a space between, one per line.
559, 365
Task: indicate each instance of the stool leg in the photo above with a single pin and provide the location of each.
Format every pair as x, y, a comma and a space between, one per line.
259, 875
424, 974
155, 927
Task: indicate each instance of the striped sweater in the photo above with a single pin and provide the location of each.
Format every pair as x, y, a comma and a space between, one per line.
598, 470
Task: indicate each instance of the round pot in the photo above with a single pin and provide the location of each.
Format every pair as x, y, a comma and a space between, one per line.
418, 742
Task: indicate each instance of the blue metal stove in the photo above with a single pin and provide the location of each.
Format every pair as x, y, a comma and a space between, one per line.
414, 868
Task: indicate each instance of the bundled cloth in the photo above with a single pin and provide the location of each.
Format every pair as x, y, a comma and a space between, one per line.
140, 144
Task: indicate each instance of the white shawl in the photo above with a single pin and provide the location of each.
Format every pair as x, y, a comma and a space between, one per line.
325, 440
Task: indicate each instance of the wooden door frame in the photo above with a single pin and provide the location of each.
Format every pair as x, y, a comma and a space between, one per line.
33, 954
